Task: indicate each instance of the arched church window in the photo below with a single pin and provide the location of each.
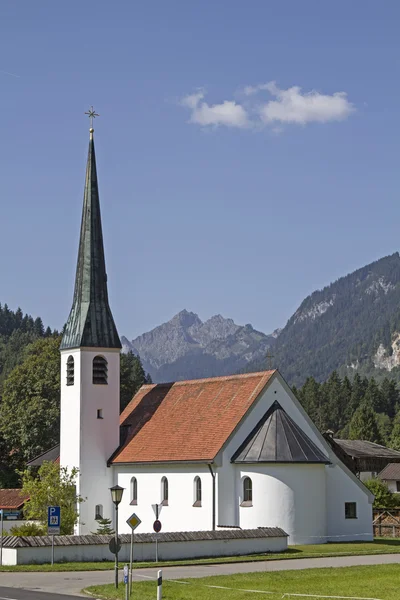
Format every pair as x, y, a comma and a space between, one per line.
197, 491
247, 492
133, 491
100, 370
164, 491
70, 370
98, 512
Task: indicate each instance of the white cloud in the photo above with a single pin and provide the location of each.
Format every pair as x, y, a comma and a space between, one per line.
228, 113
290, 106
250, 90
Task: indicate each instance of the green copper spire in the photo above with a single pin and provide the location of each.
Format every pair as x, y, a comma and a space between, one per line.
90, 323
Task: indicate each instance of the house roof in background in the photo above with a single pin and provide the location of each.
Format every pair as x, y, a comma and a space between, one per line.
12, 499
277, 438
364, 449
391, 471
52, 455
187, 420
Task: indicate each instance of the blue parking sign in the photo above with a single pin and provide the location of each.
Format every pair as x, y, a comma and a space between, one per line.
53, 520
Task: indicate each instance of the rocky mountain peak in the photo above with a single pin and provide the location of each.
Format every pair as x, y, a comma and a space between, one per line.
186, 347
185, 319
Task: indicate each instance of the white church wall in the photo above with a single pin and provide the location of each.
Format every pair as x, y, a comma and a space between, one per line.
342, 489
180, 514
228, 505
328, 501
70, 413
87, 441
290, 496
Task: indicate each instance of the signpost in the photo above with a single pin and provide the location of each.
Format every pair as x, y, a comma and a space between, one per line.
133, 522
53, 525
126, 581
157, 524
1, 538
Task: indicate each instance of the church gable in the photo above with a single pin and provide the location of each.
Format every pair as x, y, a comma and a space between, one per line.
277, 438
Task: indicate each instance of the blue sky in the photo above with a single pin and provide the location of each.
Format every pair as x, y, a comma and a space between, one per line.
212, 199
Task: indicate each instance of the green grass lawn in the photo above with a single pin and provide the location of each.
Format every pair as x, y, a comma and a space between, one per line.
379, 546
379, 582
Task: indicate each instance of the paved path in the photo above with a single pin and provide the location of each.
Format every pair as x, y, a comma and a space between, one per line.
19, 594
73, 582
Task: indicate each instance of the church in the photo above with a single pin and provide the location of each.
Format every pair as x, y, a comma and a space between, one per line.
224, 452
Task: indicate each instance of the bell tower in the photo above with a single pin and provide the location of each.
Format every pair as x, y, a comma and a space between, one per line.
90, 361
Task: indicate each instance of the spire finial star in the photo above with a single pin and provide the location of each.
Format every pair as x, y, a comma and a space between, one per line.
92, 115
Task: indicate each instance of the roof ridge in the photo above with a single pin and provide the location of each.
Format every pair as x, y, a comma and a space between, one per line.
211, 379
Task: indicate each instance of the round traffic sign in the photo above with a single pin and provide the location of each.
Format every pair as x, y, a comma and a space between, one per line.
113, 546
157, 526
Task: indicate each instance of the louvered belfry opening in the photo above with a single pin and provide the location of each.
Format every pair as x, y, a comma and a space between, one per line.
70, 370
100, 370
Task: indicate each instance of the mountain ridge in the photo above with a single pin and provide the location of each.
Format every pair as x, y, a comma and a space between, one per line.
344, 325
352, 324
185, 347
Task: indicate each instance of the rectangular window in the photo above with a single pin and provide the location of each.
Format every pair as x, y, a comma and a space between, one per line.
99, 413
397, 486
98, 511
350, 510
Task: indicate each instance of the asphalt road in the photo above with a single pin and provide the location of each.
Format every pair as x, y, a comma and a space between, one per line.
31, 586
21, 594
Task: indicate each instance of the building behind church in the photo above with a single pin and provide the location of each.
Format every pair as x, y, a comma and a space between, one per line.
224, 452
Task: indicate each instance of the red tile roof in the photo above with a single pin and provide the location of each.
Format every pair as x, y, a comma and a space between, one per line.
390, 472
186, 420
12, 499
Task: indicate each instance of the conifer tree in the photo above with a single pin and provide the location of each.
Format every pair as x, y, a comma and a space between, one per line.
132, 377
374, 396
363, 425
390, 395
395, 437
105, 527
358, 389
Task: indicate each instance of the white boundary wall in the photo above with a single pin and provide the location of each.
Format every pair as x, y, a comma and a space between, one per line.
145, 551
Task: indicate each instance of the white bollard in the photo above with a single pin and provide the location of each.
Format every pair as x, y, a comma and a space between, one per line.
159, 585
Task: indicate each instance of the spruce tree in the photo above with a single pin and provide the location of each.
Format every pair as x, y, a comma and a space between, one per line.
364, 426
104, 527
132, 377
390, 395
395, 437
374, 396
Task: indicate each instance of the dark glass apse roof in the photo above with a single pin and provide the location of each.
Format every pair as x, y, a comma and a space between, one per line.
277, 438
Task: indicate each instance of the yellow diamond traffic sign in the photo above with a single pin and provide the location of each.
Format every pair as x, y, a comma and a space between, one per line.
134, 521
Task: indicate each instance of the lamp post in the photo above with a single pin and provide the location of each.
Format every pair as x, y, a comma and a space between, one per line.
116, 495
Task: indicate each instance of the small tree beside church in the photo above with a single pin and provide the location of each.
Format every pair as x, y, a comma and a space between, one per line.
104, 527
53, 486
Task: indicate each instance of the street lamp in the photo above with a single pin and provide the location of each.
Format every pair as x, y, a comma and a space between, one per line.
116, 495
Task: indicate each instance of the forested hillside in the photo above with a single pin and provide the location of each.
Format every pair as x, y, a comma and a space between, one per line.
16, 332
357, 409
351, 325
30, 390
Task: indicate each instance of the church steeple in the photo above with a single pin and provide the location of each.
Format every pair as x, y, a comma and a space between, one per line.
90, 323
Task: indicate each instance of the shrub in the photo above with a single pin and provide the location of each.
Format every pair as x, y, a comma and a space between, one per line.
28, 529
384, 498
